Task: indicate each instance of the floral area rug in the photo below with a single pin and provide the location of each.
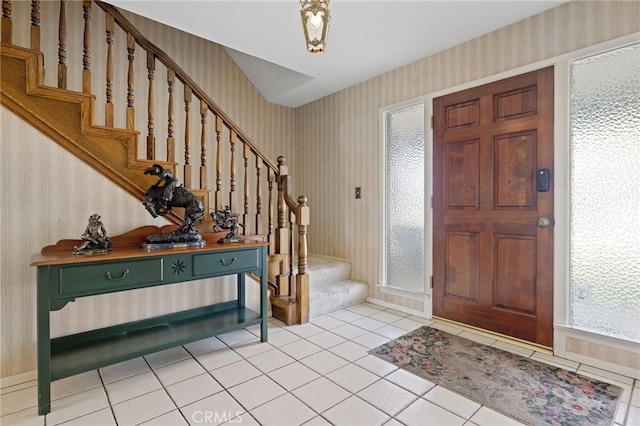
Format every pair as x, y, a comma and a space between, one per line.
526, 390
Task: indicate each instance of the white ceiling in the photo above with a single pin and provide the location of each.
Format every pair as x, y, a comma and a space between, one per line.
366, 37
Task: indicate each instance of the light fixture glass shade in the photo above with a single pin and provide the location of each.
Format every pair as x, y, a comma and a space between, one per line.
315, 22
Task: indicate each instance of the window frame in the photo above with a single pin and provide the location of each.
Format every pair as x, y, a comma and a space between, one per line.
425, 296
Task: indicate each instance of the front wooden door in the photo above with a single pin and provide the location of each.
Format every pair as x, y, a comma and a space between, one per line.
493, 249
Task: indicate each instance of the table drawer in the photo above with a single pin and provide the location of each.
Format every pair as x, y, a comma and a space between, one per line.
226, 262
106, 276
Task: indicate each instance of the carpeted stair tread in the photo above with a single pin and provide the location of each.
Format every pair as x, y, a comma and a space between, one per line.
325, 269
330, 285
331, 297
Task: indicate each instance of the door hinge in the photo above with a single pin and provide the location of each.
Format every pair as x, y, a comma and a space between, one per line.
431, 282
431, 201
432, 121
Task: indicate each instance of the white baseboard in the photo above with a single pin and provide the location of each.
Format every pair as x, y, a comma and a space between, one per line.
8, 381
608, 353
396, 307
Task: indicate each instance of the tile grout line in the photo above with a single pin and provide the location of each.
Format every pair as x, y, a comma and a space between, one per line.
106, 392
163, 388
379, 378
306, 337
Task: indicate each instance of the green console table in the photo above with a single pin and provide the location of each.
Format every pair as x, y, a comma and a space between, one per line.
62, 277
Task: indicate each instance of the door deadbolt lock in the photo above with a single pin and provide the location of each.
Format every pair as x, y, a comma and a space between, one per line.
543, 222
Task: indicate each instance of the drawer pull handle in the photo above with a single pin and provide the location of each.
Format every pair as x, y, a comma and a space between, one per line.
227, 264
109, 277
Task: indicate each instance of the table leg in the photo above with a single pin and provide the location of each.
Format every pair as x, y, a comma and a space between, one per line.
264, 297
241, 291
44, 343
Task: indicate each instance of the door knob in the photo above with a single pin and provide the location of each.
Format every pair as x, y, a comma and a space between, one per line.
543, 222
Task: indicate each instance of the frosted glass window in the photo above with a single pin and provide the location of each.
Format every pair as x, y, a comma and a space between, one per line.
605, 193
404, 145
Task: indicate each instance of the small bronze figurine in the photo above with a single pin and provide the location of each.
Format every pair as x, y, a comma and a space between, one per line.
224, 219
94, 239
159, 201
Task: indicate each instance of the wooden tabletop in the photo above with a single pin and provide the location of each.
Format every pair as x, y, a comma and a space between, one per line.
127, 246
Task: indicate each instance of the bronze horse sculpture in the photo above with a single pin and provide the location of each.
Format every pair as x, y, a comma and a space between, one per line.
161, 198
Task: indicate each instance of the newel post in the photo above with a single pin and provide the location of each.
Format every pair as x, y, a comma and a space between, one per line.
302, 278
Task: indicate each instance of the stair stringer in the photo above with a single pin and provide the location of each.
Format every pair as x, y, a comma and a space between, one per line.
67, 117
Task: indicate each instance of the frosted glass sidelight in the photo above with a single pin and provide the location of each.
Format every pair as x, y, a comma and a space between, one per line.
404, 145
605, 193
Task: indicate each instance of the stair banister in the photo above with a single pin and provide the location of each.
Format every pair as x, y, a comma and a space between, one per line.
182, 76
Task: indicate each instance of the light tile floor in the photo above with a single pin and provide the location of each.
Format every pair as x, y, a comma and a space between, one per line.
318, 373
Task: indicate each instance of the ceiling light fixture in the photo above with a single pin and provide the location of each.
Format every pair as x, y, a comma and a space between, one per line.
315, 22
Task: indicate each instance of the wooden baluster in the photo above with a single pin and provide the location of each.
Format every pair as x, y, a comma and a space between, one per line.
218, 162
282, 235
108, 107
62, 46
232, 168
270, 233
7, 9
86, 47
171, 81
187, 138
258, 226
204, 109
35, 25
292, 287
151, 139
302, 220
131, 113
245, 217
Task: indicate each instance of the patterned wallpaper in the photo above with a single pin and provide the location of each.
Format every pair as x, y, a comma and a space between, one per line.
48, 194
341, 132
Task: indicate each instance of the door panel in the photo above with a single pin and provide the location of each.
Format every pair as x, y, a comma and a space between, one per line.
515, 270
514, 159
462, 272
492, 262
463, 174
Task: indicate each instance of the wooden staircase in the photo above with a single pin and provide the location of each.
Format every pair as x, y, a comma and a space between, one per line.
68, 118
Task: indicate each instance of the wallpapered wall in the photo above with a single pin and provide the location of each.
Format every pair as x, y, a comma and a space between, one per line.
335, 142
48, 194
341, 132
